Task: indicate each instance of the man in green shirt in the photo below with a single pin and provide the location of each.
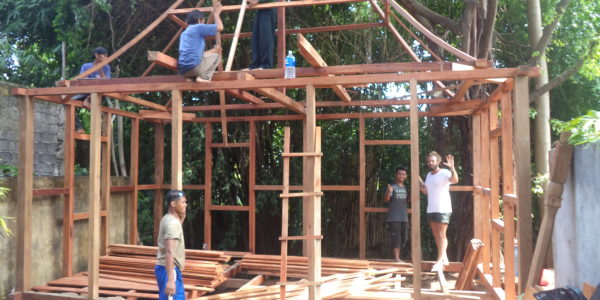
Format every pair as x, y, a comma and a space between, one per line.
171, 248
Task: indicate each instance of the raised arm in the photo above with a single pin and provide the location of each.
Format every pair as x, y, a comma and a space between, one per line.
450, 164
217, 13
388, 193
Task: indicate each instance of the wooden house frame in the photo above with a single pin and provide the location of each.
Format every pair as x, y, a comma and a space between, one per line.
501, 142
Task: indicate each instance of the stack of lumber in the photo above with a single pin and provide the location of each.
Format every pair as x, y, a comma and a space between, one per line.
128, 271
148, 251
297, 266
332, 287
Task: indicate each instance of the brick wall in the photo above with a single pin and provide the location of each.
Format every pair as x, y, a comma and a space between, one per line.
49, 133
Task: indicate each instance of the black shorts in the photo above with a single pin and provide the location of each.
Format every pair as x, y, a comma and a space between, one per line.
439, 217
398, 234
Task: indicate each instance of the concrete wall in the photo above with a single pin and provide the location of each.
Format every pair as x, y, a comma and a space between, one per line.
47, 218
49, 133
576, 237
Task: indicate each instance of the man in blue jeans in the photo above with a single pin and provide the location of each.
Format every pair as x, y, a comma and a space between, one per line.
171, 248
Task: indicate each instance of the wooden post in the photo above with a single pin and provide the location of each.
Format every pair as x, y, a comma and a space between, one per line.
25, 194
176, 141
476, 138
522, 150
312, 204
251, 187
362, 202
415, 205
94, 197
485, 184
133, 178
159, 171
105, 183
285, 212
281, 37
494, 194
69, 198
508, 185
208, 185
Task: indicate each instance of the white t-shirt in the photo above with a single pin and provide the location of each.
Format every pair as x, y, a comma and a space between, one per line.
438, 192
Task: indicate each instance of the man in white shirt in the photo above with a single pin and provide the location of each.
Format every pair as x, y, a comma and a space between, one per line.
439, 206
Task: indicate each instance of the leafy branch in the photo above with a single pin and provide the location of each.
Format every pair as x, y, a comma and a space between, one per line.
584, 129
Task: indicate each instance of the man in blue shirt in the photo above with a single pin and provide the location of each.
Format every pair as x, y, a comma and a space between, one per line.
193, 60
99, 54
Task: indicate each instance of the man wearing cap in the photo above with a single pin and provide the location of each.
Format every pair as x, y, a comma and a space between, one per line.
193, 61
171, 248
99, 55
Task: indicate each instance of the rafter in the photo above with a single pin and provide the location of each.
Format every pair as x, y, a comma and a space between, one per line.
314, 59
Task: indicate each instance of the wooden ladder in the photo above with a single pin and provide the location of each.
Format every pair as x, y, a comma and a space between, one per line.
286, 195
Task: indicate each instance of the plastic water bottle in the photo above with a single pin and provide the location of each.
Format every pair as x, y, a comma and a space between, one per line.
290, 65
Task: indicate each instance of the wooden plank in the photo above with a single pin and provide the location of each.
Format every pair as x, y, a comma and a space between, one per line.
207, 185
230, 207
137, 101
298, 188
133, 180
476, 158
431, 36
301, 237
312, 183
455, 106
522, 154
285, 212
94, 196
281, 98
176, 141
252, 283
362, 200
485, 183
314, 59
298, 82
236, 36
159, 171
251, 186
25, 194
69, 198
414, 197
50, 192
229, 145
229, 8
462, 90
244, 96
386, 142
131, 43
162, 59
494, 148
105, 183
223, 116
163, 115
86, 215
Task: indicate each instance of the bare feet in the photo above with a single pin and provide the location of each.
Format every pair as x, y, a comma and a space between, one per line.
198, 79
438, 266
445, 261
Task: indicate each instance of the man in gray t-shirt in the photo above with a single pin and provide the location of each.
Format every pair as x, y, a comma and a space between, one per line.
396, 196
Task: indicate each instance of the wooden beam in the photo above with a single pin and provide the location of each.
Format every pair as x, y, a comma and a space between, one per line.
414, 199
236, 36
314, 59
522, 154
137, 101
244, 96
131, 43
282, 99
485, 183
288, 83
229, 8
176, 141
105, 183
25, 194
462, 90
159, 171
455, 106
69, 198
432, 37
208, 157
163, 115
495, 246
251, 187
94, 197
162, 59
133, 181
362, 198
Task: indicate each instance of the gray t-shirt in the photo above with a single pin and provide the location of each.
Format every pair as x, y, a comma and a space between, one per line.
397, 205
170, 228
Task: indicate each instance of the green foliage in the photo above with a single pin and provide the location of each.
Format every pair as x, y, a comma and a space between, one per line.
5, 231
81, 171
584, 129
8, 170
